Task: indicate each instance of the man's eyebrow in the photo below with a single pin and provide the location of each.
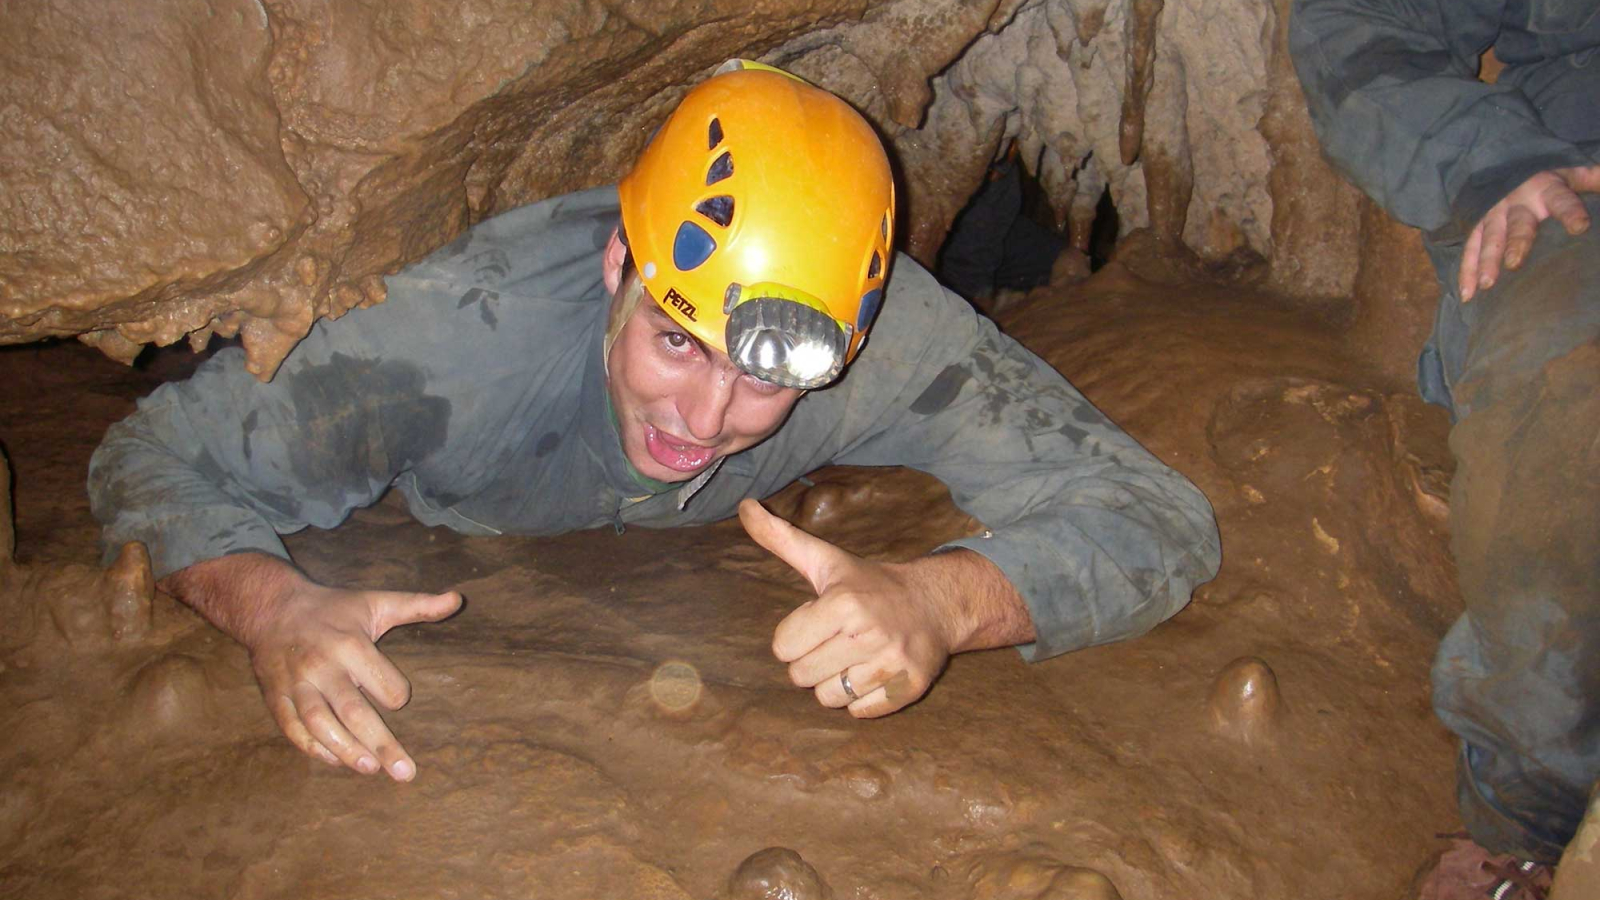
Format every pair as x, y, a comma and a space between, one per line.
666, 320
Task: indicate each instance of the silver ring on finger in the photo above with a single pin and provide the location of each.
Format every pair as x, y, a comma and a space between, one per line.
844, 682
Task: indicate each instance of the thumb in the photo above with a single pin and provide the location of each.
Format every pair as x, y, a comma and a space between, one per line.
391, 608
811, 556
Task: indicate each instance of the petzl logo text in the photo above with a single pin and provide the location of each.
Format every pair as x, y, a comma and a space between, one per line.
681, 303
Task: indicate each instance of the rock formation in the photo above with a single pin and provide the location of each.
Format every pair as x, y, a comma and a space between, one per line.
777, 873
74, 606
235, 167
1245, 702
1031, 873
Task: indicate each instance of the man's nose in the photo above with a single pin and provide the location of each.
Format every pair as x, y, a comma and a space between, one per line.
706, 408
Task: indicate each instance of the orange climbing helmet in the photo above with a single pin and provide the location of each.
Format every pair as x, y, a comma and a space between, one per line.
760, 219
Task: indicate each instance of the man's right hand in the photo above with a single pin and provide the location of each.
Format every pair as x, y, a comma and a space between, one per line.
320, 669
1506, 233
314, 651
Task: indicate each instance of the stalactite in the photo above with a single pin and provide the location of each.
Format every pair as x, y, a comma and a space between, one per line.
1143, 17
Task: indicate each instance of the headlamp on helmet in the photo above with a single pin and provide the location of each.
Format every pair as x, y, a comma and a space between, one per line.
784, 336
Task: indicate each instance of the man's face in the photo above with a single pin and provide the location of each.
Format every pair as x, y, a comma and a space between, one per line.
680, 404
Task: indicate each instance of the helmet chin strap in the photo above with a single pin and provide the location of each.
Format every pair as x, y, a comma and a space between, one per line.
624, 303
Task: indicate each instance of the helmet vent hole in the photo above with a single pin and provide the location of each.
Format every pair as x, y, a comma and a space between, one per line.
883, 227
875, 268
721, 169
717, 209
715, 134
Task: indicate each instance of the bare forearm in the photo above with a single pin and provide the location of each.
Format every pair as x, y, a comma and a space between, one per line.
236, 593
982, 608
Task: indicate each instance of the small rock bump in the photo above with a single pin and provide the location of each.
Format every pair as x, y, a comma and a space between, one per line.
1245, 703
348, 296
373, 289
167, 693
1032, 873
200, 339
777, 873
825, 504
864, 781
264, 234
309, 269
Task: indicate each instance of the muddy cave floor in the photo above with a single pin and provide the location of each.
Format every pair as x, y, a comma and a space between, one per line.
549, 767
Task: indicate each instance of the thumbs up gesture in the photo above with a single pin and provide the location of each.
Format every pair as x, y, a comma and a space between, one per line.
877, 635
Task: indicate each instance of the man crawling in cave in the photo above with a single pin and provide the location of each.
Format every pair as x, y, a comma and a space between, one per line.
551, 371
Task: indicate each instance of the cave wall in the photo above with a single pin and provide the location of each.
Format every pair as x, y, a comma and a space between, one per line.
180, 168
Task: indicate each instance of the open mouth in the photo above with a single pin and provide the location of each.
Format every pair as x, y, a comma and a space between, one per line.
679, 456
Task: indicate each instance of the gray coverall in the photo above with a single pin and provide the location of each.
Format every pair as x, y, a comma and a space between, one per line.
478, 390
1393, 91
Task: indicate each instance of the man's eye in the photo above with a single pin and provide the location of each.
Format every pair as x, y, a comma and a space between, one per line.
677, 340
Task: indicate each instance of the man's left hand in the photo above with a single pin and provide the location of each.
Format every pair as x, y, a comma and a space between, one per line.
888, 627
868, 622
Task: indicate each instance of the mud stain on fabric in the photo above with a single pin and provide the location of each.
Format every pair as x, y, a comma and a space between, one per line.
217, 474
362, 419
942, 392
486, 301
248, 427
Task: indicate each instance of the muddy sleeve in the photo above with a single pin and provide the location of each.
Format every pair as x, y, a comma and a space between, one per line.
223, 464
1394, 96
1102, 540
436, 376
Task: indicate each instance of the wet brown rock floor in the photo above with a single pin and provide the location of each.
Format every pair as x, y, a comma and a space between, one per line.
549, 768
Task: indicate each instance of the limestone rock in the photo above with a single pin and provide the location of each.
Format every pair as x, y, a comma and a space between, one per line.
94, 609
1032, 873
139, 189
168, 697
825, 504
242, 168
130, 588
86, 608
1245, 704
1055, 76
777, 873
237, 167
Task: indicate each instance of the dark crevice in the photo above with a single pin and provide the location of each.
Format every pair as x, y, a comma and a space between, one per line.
1103, 233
